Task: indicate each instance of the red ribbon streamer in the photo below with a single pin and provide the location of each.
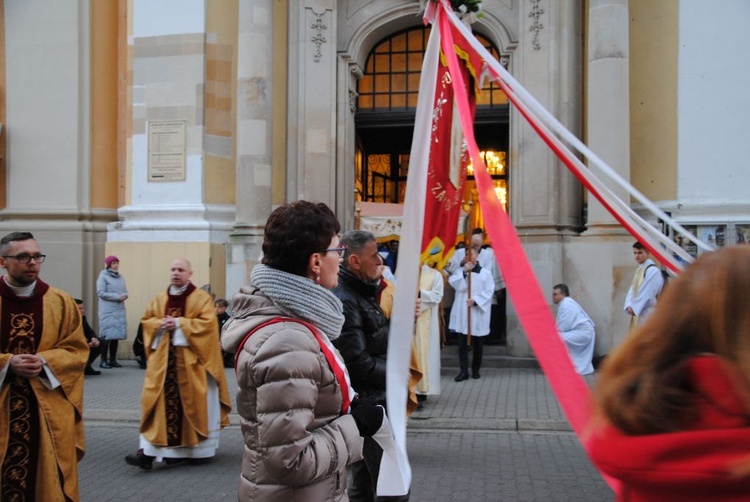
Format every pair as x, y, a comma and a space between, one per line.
532, 309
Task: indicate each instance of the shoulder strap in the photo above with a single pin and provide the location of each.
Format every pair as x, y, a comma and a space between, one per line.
252, 331
336, 365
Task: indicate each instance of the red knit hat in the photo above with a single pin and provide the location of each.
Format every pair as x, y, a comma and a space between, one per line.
109, 259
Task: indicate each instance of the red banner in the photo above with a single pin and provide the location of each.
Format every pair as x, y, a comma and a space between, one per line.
446, 172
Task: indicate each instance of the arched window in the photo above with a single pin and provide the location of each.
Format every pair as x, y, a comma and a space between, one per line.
386, 104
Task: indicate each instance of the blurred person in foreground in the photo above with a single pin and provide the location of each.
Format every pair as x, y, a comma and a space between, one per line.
673, 402
300, 426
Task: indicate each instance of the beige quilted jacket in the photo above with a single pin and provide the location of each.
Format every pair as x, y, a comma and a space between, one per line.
297, 445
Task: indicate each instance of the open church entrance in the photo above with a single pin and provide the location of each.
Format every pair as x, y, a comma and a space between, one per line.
386, 105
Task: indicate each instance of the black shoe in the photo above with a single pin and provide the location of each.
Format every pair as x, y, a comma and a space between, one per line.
115, 364
140, 459
175, 461
141, 362
461, 377
91, 371
475, 375
105, 365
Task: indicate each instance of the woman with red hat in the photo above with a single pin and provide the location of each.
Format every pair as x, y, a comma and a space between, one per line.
112, 293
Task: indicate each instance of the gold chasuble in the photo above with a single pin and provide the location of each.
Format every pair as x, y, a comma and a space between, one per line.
422, 330
385, 299
174, 401
41, 431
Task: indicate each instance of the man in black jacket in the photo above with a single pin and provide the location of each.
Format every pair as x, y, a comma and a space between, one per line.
363, 344
91, 338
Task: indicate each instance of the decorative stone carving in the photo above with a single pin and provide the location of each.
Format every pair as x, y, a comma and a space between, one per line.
353, 100
536, 26
318, 39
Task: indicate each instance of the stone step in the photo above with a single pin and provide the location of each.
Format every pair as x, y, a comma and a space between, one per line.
494, 356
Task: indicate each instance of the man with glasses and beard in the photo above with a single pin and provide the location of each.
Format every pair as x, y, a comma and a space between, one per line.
43, 353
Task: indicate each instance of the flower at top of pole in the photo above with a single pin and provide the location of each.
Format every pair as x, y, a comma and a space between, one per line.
468, 10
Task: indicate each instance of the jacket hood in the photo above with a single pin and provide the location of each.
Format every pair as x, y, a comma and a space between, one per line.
250, 309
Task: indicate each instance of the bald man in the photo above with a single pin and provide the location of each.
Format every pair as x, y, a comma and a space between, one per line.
185, 400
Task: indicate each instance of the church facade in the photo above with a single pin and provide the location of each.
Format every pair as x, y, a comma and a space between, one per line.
156, 129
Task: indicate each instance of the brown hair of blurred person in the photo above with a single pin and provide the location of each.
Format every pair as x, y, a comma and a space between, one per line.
643, 388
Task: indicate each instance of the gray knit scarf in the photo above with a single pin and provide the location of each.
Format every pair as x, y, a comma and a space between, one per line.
301, 297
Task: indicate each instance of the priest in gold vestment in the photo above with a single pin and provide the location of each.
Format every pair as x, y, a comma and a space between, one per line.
185, 401
427, 342
42, 356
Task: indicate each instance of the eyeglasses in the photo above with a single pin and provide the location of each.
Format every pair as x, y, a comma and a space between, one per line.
340, 251
26, 258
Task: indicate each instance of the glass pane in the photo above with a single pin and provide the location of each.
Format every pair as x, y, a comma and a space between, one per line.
382, 101
398, 63
365, 84
379, 164
365, 102
382, 63
398, 82
415, 40
412, 100
382, 48
413, 79
499, 97
483, 98
382, 83
415, 61
398, 101
398, 43
501, 189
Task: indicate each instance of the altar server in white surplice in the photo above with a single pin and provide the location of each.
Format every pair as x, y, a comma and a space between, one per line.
427, 331
474, 296
576, 328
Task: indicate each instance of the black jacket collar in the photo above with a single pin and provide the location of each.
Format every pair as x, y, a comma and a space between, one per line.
353, 282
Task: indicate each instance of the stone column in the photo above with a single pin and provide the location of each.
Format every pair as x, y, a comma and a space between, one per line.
254, 139
48, 173
608, 100
348, 74
545, 200
311, 155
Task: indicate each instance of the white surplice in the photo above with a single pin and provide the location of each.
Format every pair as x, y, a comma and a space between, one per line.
577, 330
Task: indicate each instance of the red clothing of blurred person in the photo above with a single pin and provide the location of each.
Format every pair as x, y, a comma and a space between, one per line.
699, 464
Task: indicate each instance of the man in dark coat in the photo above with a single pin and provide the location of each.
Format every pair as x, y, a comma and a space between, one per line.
363, 344
92, 340
221, 306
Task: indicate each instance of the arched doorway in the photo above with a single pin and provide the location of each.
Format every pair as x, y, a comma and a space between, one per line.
384, 123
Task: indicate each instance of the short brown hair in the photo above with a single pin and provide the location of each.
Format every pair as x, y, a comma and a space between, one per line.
295, 231
13, 237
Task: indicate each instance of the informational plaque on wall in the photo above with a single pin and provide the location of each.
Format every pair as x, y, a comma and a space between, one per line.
166, 150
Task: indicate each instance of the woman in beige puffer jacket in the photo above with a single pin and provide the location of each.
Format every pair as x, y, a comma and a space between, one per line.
298, 440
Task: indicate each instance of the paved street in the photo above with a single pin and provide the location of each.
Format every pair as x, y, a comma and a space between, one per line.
502, 437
